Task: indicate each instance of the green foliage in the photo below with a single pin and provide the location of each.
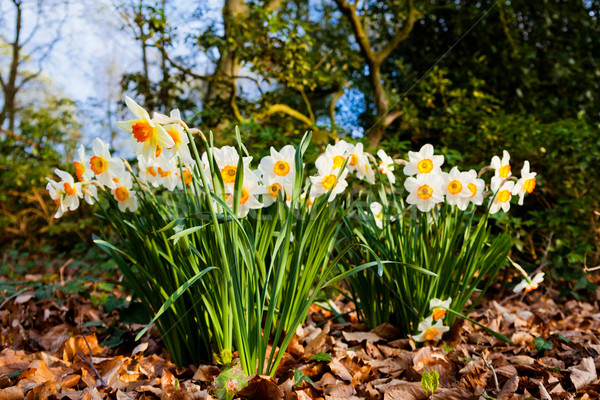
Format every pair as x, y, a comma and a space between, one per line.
219, 283
442, 254
541, 344
430, 381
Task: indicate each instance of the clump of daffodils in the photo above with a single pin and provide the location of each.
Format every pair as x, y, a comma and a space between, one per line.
164, 160
428, 185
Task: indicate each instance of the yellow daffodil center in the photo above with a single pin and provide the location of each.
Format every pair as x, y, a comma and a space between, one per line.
473, 189
338, 161
281, 168
274, 189
504, 171
228, 173
455, 187
116, 180
425, 166
69, 190
530, 287
431, 334
529, 185
121, 193
174, 133
244, 196
162, 173
79, 170
353, 160
438, 313
142, 131
158, 150
503, 196
187, 177
98, 164
328, 181
151, 171
425, 192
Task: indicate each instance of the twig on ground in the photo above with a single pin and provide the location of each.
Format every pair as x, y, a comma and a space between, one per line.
493, 372
89, 362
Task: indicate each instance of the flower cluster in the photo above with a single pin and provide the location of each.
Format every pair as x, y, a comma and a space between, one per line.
428, 185
161, 145
430, 330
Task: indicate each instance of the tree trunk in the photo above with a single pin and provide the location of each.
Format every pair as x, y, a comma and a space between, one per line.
10, 88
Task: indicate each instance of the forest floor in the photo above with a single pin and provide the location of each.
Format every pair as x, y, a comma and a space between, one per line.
60, 343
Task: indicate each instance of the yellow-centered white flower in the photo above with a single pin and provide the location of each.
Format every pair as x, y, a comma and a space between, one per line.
105, 167
428, 331
529, 284
274, 187
248, 195
126, 198
339, 152
501, 166
278, 169
502, 193
425, 191
147, 137
180, 138
227, 159
82, 166
525, 184
386, 165
65, 193
167, 172
326, 178
455, 188
423, 162
148, 171
438, 308
476, 187
358, 162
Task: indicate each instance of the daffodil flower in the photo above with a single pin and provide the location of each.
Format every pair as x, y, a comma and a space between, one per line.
425, 191
147, 137
525, 184
438, 308
503, 193
175, 130
529, 284
81, 164
65, 193
455, 188
227, 159
423, 162
476, 187
166, 171
278, 171
501, 167
386, 165
339, 152
428, 331
126, 198
148, 171
358, 162
248, 196
327, 178
105, 167
273, 187
377, 211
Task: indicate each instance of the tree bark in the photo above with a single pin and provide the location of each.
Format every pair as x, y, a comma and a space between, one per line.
10, 87
374, 59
